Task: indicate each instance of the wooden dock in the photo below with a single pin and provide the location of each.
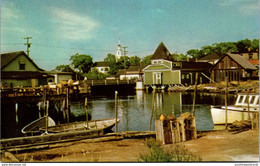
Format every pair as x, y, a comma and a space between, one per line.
38, 142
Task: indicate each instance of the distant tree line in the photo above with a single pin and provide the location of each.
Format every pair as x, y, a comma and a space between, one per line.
81, 63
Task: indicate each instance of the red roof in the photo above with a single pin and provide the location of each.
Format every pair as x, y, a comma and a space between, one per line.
254, 62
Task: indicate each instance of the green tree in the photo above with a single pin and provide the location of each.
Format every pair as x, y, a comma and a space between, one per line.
114, 66
134, 61
243, 45
179, 57
123, 62
147, 60
195, 53
64, 68
95, 75
110, 58
255, 45
82, 62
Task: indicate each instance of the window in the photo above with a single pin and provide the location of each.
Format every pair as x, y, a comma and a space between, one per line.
106, 69
21, 65
252, 100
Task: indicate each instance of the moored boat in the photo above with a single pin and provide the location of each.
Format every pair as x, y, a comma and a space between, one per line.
34, 127
245, 106
100, 124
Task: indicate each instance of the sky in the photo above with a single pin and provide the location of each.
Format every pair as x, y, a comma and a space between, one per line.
62, 28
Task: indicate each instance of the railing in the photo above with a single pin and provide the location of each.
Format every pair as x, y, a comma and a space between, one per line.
109, 82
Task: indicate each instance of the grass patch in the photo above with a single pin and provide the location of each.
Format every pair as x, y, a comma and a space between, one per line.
158, 154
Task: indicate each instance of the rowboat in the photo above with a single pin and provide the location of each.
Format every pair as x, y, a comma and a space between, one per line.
246, 106
100, 124
34, 127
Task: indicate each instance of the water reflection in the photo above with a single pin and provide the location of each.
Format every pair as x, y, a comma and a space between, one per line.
134, 111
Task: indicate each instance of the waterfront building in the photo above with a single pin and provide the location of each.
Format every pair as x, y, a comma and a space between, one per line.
164, 71
18, 69
233, 66
133, 72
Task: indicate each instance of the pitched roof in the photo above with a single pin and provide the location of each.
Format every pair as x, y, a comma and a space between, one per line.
242, 61
196, 65
162, 53
101, 64
24, 74
211, 56
7, 58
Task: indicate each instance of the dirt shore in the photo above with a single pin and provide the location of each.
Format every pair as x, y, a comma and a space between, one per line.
210, 146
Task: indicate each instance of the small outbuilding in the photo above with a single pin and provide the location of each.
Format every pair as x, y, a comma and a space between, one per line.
233, 66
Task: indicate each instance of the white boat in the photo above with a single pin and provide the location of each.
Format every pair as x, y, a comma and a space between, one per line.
240, 111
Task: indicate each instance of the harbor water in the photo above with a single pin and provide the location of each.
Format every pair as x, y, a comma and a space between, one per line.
134, 110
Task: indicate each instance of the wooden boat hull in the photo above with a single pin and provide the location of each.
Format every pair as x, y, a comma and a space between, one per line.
33, 127
102, 124
219, 115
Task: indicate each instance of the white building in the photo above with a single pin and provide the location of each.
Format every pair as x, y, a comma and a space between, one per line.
119, 51
102, 67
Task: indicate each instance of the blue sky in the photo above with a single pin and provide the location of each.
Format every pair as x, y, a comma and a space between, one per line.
61, 28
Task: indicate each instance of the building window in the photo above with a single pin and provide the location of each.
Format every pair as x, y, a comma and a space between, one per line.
106, 69
21, 65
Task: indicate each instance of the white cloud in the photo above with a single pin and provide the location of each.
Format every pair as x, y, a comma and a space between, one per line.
14, 23
74, 26
247, 7
9, 12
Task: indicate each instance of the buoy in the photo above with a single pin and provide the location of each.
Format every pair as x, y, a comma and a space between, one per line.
162, 117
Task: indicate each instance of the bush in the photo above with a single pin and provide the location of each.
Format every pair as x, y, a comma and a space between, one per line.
157, 154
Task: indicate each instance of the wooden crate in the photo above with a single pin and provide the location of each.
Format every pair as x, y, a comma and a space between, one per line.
178, 130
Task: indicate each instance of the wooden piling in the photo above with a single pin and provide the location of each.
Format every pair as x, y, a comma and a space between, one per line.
68, 106
195, 92
151, 117
64, 109
86, 109
39, 109
44, 100
116, 112
16, 112
226, 111
47, 116
248, 106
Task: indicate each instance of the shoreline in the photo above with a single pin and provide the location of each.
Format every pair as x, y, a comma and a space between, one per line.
211, 146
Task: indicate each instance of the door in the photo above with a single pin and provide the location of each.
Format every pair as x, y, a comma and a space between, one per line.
157, 78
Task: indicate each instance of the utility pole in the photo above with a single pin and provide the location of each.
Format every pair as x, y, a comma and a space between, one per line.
28, 44
124, 53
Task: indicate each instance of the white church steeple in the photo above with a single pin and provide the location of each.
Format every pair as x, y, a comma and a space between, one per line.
119, 51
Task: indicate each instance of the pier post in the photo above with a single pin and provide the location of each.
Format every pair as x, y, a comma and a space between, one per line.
195, 92
226, 93
68, 106
248, 106
39, 107
116, 112
47, 116
64, 109
16, 112
150, 124
86, 109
